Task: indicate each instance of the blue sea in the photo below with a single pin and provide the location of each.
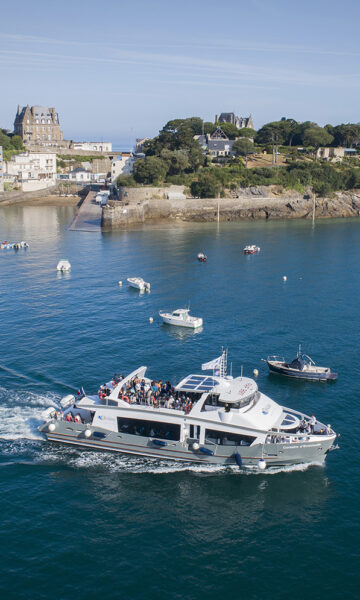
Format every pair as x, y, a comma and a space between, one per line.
88, 525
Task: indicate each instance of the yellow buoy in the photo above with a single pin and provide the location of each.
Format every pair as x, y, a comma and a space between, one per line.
120, 282
151, 320
255, 372
284, 278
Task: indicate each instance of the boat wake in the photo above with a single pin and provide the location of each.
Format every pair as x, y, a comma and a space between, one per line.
20, 414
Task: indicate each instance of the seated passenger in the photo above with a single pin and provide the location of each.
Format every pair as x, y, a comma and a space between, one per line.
77, 419
68, 417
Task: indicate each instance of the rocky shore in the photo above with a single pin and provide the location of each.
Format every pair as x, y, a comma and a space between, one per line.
149, 205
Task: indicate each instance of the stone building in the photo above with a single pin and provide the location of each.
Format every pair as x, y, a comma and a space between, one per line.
239, 122
38, 125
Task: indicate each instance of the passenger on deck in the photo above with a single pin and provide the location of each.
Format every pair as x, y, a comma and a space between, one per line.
312, 423
68, 417
77, 419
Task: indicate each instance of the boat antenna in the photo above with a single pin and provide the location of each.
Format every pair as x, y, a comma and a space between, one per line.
299, 351
241, 372
231, 369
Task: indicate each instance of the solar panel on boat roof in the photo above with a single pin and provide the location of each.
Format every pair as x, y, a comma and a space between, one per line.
197, 383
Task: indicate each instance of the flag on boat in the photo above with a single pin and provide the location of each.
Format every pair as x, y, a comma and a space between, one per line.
213, 364
81, 392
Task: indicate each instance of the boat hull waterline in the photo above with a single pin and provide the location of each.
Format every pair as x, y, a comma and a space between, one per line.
286, 454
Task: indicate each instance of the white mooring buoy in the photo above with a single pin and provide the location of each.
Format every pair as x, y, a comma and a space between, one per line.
255, 372
120, 282
151, 320
284, 278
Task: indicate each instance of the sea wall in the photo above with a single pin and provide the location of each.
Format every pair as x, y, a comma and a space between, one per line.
250, 203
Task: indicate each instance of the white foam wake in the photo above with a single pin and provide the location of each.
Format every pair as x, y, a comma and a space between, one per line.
20, 414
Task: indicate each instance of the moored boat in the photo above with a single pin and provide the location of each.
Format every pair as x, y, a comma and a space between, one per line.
139, 284
181, 318
204, 419
251, 249
63, 266
302, 367
202, 257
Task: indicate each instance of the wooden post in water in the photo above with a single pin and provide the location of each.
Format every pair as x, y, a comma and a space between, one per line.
313, 214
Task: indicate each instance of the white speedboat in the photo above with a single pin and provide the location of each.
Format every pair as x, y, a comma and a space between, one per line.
181, 318
139, 284
202, 257
251, 249
204, 419
63, 266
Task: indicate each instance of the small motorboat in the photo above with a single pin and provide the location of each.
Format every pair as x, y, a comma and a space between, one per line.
13, 245
63, 266
202, 257
302, 367
251, 249
139, 284
181, 318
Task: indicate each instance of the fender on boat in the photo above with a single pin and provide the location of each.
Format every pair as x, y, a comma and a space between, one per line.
159, 442
206, 451
238, 460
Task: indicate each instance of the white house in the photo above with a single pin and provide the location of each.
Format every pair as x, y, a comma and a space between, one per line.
92, 146
80, 175
32, 170
122, 164
1, 170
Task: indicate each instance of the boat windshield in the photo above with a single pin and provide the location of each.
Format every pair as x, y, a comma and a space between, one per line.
213, 402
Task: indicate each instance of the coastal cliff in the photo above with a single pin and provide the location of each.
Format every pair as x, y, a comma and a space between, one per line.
146, 205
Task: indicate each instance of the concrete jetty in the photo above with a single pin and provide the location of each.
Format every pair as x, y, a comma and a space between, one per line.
89, 216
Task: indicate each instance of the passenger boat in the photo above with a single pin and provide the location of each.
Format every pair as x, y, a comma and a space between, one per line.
63, 266
217, 419
302, 367
252, 249
139, 284
202, 257
181, 318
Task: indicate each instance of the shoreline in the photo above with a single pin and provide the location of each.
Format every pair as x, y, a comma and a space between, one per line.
261, 203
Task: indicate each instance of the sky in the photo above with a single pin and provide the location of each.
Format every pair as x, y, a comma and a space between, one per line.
117, 70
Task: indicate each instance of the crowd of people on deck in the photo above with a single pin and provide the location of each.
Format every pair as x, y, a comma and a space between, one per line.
158, 394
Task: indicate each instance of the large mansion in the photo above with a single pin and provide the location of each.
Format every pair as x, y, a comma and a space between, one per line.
38, 125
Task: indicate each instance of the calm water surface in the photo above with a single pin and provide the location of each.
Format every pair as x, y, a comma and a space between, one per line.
83, 524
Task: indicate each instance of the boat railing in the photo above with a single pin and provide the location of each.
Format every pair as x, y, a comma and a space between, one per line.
275, 358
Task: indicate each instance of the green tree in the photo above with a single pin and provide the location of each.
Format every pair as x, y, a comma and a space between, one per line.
177, 160
229, 129
243, 147
316, 137
206, 186
150, 170
247, 132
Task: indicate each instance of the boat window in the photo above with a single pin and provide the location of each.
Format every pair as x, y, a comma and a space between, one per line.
157, 429
226, 438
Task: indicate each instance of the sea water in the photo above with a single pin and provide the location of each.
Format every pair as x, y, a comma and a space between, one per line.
82, 524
